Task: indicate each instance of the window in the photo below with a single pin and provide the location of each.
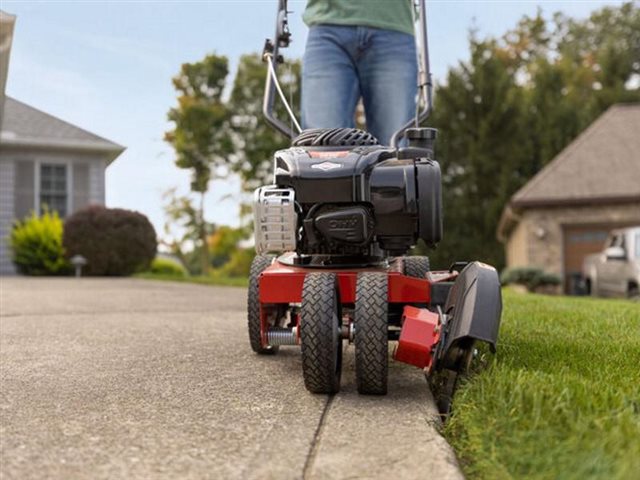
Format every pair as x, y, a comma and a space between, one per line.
54, 188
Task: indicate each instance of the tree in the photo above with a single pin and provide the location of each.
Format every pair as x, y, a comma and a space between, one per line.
200, 136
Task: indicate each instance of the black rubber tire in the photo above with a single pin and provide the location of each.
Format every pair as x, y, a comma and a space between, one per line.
321, 333
446, 382
259, 264
371, 333
416, 267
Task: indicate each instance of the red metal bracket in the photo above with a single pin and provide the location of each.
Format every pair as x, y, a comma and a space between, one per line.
419, 334
281, 283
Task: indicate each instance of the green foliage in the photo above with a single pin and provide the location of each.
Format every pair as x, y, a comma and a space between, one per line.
239, 263
184, 229
514, 105
36, 244
199, 137
549, 406
223, 243
530, 277
165, 266
114, 241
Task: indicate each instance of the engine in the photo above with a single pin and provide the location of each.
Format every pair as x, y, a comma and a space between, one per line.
338, 192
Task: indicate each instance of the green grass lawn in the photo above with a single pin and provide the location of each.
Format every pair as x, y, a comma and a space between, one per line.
213, 279
561, 400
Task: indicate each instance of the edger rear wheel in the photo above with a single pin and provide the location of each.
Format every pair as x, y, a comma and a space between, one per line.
259, 264
320, 333
371, 337
416, 267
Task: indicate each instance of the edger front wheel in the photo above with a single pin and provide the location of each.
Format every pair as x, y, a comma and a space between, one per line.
320, 333
371, 337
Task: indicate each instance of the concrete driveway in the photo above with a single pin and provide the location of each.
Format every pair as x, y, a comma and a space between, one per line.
121, 378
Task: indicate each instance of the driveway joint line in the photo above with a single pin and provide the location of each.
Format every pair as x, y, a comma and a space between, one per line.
315, 442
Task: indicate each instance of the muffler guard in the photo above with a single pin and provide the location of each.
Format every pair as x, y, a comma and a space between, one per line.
473, 307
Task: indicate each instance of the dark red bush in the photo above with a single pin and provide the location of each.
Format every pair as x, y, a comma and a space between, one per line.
113, 240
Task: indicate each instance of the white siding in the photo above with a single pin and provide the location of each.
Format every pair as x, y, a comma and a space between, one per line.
80, 189
96, 183
7, 178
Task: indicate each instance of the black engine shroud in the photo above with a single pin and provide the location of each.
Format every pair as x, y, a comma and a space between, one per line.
355, 197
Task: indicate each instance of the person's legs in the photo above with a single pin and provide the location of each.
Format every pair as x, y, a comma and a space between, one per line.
330, 87
388, 72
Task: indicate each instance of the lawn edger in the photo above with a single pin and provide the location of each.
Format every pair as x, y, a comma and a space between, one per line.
332, 233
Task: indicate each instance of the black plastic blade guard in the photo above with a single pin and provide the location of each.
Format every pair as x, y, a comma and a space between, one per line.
475, 306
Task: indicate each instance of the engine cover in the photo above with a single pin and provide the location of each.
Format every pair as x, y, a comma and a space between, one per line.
354, 199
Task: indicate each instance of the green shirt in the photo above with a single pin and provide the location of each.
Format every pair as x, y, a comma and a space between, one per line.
387, 14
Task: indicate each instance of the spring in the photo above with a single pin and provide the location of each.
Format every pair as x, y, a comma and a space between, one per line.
282, 336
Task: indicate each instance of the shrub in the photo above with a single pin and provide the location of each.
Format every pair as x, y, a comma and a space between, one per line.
223, 244
114, 241
240, 263
166, 266
530, 277
36, 244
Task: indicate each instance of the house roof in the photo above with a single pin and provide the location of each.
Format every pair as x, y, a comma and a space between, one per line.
601, 164
27, 126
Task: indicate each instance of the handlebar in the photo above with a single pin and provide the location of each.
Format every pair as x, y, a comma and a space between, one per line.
270, 54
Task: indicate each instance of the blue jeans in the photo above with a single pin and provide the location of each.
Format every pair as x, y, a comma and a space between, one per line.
343, 63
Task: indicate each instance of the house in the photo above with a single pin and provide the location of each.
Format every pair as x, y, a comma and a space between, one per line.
565, 212
44, 160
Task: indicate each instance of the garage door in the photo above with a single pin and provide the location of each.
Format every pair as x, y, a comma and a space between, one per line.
578, 243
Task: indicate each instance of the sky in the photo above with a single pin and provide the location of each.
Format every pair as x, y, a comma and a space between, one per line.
106, 66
